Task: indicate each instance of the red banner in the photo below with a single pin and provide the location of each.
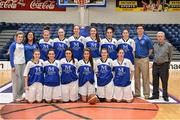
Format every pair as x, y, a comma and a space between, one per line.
40, 5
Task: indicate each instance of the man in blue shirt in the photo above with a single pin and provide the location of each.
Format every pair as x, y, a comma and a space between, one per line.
144, 48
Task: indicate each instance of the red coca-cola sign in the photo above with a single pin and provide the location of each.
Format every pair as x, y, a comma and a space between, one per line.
44, 5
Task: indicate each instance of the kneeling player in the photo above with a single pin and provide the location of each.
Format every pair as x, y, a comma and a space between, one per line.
33, 75
123, 69
104, 77
52, 88
86, 75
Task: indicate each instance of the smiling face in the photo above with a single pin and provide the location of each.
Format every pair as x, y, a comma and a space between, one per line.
61, 33
19, 38
140, 30
93, 32
46, 35
76, 30
109, 33
121, 54
30, 36
68, 54
160, 37
86, 55
51, 55
125, 34
36, 55
104, 53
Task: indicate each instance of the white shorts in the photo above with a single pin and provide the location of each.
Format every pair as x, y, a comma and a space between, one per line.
35, 92
70, 91
106, 91
87, 89
51, 92
123, 93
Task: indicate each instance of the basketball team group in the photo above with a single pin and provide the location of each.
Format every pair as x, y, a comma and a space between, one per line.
86, 68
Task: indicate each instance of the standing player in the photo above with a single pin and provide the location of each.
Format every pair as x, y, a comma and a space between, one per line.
76, 43
110, 43
93, 43
30, 45
60, 44
69, 78
45, 44
123, 69
86, 75
52, 89
104, 77
128, 45
34, 78
17, 61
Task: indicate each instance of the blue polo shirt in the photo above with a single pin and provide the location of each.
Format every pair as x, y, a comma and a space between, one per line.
143, 46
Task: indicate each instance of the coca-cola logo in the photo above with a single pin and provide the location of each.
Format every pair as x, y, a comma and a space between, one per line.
38, 4
8, 4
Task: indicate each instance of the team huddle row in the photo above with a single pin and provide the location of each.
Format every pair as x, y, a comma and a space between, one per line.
61, 68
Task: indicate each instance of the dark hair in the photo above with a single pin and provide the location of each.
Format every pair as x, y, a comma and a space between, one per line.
125, 29
111, 28
76, 26
139, 25
26, 37
97, 34
46, 28
69, 49
105, 50
90, 57
36, 50
120, 49
51, 49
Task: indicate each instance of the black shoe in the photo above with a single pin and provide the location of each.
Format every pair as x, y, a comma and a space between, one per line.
153, 97
166, 99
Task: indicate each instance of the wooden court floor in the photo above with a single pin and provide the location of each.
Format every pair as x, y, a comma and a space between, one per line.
165, 111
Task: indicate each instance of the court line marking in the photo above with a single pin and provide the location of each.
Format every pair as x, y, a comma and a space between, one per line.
61, 109
23, 109
4, 87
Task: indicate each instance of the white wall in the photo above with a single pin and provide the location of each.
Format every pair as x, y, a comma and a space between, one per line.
97, 15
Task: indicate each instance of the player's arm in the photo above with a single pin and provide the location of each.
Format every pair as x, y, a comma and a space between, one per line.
131, 70
26, 72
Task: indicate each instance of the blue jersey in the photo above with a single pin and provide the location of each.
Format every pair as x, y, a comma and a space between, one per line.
34, 71
44, 47
59, 47
104, 71
110, 46
77, 46
128, 47
51, 71
86, 73
122, 72
29, 49
143, 46
94, 46
68, 71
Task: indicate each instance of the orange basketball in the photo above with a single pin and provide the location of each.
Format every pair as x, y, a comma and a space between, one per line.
92, 99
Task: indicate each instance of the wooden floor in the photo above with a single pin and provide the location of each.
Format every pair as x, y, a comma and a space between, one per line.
166, 111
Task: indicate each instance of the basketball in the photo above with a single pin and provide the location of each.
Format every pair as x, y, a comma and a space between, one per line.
93, 99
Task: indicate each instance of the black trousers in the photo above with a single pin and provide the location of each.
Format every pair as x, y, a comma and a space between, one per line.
160, 71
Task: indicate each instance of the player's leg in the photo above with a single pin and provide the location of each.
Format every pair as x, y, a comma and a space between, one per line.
118, 94
56, 94
65, 91
74, 91
137, 78
31, 93
39, 92
109, 89
83, 91
127, 94
101, 93
91, 89
47, 94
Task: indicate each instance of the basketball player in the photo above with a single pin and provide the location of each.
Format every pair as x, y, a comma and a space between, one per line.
76, 43
123, 69
34, 78
17, 61
45, 44
104, 77
93, 43
86, 75
127, 44
60, 44
52, 88
69, 78
110, 43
